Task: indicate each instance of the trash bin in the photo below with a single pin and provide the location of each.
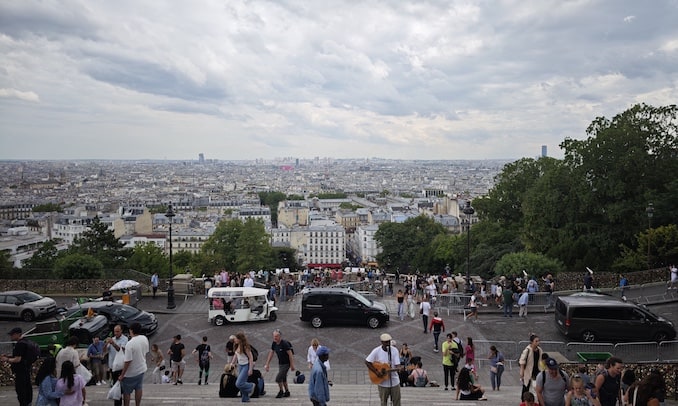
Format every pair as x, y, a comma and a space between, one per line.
593, 356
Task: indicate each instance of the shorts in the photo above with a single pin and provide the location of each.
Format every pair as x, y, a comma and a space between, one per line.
282, 373
177, 364
130, 384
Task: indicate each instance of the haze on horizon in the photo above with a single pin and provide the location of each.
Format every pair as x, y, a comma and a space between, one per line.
255, 79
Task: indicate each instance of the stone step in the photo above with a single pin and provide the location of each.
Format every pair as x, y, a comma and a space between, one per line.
341, 394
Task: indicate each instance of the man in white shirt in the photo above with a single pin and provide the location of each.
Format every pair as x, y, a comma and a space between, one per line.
132, 375
249, 282
384, 363
112, 346
68, 353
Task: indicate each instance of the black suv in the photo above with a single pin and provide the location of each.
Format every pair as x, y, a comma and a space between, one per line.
323, 306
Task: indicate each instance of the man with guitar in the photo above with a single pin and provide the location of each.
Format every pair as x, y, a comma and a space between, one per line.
383, 365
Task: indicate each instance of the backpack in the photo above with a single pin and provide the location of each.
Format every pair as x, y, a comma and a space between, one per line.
32, 351
205, 355
460, 346
255, 353
290, 345
227, 388
420, 381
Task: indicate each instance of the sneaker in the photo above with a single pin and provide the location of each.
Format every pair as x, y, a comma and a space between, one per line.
287, 394
199, 382
280, 394
98, 383
180, 382
446, 388
206, 382
174, 383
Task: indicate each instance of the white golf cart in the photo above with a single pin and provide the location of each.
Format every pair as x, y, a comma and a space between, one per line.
239, 304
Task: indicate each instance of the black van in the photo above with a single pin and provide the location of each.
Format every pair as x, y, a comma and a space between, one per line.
609, 319
323, 306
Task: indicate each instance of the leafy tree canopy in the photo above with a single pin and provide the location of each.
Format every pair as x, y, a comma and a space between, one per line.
78, 266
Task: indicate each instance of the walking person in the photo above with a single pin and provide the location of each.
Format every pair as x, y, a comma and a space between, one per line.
400, 299
243, 357
46, 380
552, 385
112, 346
204, 352
507, 294
155, 281
177, 352
623, 285
71, 385
607, 384
21, 367
473, 307
318, 384
437, 326
283, 349
425, 311
496, 367
529, 364
132, 376
384, 363
549, 288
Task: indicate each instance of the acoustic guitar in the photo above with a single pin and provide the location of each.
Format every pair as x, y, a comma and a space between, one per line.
385, 370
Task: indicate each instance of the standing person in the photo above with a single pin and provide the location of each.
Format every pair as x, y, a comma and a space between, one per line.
400, 298
552, 385
529, 364
132, 376
425, 311
588, 281
473, 307
649, 391
607, 384
113, 345
318, 384
549, 288
158, 361
451, 354
673, 281
623, 284
283, 349
384, 363
496, 367
20, 366
46, 380
95, 353
155, 281
312, 354
523, 300
204, 352
177, 352
242, 355
470, 351
437, 326
71, 385
68, 353
507, 294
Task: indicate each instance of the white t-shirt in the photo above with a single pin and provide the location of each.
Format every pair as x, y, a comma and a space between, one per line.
135, 351
379, 355
674, 274
425, 307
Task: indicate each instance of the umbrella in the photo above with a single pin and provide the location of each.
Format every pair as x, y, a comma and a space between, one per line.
124, 284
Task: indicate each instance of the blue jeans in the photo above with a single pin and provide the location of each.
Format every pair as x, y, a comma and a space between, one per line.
242, 384
508, 309
495, 377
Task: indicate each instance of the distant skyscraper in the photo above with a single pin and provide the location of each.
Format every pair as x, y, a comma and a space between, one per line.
201, 157
543, 151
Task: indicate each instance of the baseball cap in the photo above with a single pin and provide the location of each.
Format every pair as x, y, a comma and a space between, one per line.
322, 350
551, 363
385, 337
15, 330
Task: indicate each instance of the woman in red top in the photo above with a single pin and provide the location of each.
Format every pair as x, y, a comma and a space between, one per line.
436, 327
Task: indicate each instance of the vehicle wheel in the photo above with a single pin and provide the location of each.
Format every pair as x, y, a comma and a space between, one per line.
272, 316
661, 336
317, 322
219, 321
27, 315
588, 336
373, 322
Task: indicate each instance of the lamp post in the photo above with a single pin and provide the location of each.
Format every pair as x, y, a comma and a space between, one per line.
468, 211
170, 289
650, 212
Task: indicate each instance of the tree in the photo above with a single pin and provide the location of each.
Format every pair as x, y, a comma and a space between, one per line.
253, 247
78, 266
223, 243
48, 208
663, 244
534, 264
100, 242
149, 258
44, 257
5, 262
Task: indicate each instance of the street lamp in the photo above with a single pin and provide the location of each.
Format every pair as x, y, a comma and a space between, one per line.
468, 211
650, 212
170, 289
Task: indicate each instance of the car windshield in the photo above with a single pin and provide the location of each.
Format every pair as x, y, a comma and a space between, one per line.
362, 299
125, 312
28, 297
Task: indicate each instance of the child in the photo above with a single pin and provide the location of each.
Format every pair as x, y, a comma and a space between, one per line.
166, 377
579, 396
528, 399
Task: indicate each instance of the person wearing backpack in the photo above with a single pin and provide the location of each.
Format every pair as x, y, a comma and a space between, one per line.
419, 377
552, 385
21, 366
204, 356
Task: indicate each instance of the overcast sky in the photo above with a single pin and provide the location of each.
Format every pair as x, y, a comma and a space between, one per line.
264, 79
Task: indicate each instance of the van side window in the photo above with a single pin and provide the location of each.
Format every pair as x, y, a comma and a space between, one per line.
334, 301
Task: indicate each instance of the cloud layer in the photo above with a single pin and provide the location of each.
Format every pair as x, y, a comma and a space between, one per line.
263, 79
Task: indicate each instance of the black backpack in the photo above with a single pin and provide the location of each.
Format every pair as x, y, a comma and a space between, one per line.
255, 353
32, 351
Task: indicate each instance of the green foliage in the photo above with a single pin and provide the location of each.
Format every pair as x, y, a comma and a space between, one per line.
48, 208
44, 257
663, 244
284, 257
336, 195
78, 266
408, 246
100, 242
149, 258
534, 264
271, 199
5, 262
239, 246
349, 206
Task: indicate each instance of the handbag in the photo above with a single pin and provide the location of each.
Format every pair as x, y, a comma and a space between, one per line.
84, 372
114, 393
493, 370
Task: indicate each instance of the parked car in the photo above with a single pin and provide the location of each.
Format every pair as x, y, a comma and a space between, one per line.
323, 306
25, 305
118, 313
603, 318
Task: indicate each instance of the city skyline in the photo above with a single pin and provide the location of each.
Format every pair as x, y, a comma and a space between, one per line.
410, 80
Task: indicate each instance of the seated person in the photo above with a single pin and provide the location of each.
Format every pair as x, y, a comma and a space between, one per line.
418, 377
466, 390
217, 303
